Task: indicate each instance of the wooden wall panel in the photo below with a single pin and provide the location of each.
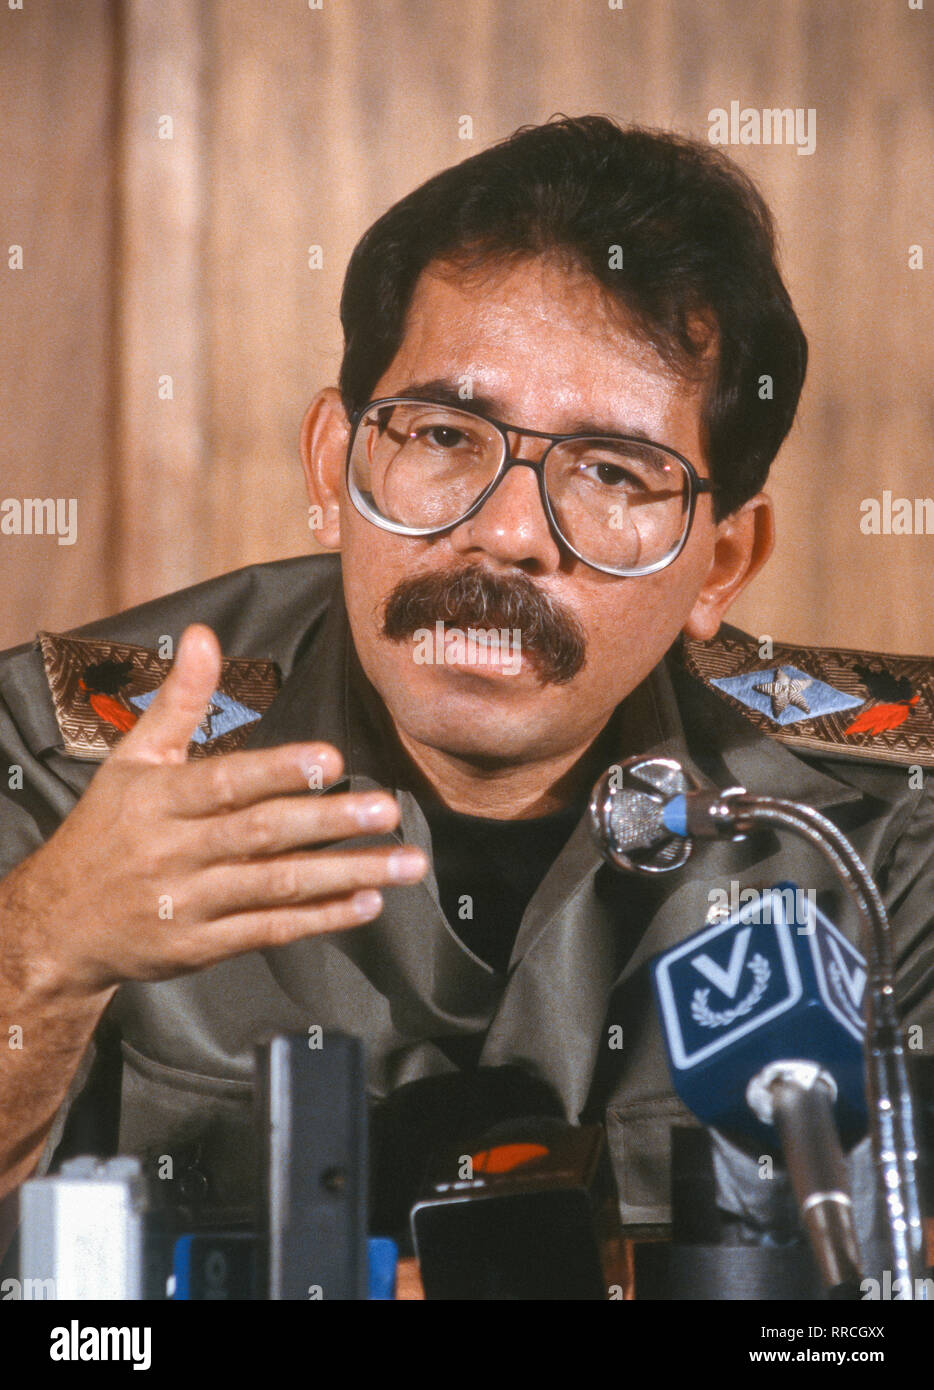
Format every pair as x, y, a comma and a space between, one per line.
56, 190
297, 127
161, 340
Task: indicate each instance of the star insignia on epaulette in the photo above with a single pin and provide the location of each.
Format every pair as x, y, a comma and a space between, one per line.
786, 689
101, 688
777, 692
824, 699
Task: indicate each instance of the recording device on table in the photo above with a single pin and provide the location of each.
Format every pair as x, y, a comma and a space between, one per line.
86, 1233
527, 1209
788, 1058
504, 1198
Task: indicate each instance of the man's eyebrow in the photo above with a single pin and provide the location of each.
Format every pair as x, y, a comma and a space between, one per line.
446, 392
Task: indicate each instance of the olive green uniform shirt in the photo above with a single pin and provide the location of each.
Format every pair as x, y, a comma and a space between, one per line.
576, 1006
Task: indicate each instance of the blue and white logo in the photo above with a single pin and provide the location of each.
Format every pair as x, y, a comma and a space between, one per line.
841, 975
728, 981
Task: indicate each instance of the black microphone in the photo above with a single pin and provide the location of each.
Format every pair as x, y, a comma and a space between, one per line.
311, 1115
527, 1210
421, 1120
715, 1253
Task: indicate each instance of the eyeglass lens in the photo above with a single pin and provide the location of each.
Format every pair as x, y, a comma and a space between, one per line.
619, 504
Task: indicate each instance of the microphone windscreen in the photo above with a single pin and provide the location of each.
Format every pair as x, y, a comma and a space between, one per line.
636, 820
627, 808
417, 1121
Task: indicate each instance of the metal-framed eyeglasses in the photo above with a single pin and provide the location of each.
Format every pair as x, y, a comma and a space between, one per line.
621, 504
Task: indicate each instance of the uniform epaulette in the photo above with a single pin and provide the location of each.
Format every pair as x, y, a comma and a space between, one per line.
100, 689
824, 699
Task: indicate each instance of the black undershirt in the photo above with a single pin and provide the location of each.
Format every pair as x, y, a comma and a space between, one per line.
488, 870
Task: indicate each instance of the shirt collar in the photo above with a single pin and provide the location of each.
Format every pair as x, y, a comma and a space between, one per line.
25, 691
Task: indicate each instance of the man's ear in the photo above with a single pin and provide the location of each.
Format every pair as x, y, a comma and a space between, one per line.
743, 542
324, 439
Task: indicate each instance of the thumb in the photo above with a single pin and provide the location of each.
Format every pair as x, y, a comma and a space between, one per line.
163, 731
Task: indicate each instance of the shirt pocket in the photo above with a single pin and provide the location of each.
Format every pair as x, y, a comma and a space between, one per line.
196, 1137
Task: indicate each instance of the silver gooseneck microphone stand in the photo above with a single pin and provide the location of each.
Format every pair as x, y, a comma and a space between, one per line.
632, 809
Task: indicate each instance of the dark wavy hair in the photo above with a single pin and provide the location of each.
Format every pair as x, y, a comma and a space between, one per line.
698, 248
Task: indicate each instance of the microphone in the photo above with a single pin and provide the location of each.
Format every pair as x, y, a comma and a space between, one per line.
627, 810
311, 1116
645, 847
762, 1023
526, 1210
714, 1253
420, 1120
774, 980
797, 1098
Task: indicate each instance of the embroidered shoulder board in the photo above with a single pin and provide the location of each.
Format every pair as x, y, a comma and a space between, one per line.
100, 689
825, 699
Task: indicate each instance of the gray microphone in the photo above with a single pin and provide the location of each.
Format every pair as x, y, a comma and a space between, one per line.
627, 812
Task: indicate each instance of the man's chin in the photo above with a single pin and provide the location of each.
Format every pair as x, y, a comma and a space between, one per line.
490, 718
487, 749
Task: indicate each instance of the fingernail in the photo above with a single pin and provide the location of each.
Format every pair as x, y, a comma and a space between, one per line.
406, 865
377, 811
317, 767
367, 903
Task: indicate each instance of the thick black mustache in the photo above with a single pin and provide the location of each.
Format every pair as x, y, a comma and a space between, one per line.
474, 597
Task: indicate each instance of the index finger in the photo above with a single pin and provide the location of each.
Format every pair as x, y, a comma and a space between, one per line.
230, 781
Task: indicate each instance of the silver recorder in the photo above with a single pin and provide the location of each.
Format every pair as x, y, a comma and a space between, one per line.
82, 1230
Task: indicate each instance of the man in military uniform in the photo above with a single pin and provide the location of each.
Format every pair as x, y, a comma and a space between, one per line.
357, 799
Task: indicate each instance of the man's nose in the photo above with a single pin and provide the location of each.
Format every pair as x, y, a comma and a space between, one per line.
511, 527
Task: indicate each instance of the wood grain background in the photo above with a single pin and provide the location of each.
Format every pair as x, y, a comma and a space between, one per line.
293, 126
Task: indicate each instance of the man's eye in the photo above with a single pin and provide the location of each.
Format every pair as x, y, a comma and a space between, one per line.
442, 436
612, 475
